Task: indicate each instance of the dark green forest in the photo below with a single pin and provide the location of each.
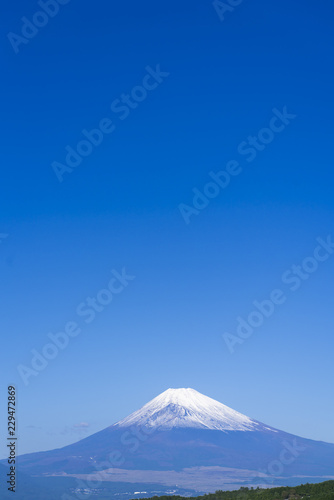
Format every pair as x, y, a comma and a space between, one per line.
320, 491
57, 488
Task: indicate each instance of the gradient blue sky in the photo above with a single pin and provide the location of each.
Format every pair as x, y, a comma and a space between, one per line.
119, 208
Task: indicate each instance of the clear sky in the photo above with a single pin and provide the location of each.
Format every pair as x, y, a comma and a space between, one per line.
214, 92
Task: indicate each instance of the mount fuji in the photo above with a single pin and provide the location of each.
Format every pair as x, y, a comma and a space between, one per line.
184, 438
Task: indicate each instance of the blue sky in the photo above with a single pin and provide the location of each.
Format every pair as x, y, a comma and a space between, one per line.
120, 209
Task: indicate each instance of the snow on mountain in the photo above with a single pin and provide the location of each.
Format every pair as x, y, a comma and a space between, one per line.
188, 408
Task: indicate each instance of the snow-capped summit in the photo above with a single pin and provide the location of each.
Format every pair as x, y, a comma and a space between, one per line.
188, 408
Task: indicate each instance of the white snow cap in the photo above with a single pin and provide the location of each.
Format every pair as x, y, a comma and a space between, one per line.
188, 408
